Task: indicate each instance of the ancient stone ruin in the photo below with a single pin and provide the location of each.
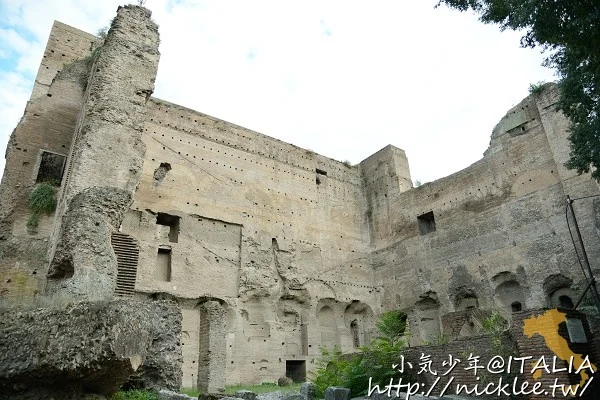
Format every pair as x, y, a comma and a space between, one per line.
269, 251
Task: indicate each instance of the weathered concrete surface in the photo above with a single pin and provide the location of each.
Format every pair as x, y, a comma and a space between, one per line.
245, 394
84, 263
162, 367
86, 347
47, 125
337, 393
308, 390
213, 356
107, 152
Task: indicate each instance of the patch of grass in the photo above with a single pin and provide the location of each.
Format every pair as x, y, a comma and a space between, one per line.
263, 388
41, 200
347, 163
134, 395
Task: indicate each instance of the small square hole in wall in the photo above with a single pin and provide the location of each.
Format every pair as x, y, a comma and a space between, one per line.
163, 264
426, 223
172, 221
320, 175
51, 168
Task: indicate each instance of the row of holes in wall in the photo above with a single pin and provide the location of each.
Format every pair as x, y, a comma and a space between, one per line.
255, 203
266, 141
311, 177
471, 191
356, 182
246, 215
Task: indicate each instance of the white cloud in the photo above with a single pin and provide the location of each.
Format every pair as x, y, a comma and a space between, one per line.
343, 78
14, 92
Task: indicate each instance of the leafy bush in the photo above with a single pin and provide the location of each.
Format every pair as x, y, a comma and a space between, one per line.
536, 88
392, 325
41, 200
495, 323
374, 361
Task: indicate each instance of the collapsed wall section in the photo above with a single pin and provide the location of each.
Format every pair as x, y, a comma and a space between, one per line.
106, 157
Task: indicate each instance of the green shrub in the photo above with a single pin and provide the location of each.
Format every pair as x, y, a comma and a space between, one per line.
536, 88
374, 361
41, 200
134, 395
495, 323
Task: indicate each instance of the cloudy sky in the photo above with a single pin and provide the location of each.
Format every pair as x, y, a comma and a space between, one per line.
343, 78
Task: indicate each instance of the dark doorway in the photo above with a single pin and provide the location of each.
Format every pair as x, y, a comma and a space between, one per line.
296, 370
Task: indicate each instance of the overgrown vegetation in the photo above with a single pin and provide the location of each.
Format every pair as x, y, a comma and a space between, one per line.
347, 163
258, 389
537, 88
374, 361
42, 200
134, 395
495, 325
437, 340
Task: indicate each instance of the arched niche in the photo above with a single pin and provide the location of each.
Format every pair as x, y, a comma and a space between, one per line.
557, 289
327, 321
425, 323
509, 295
466, 302
358, 319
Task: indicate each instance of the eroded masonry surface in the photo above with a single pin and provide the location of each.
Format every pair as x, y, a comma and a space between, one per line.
272, 251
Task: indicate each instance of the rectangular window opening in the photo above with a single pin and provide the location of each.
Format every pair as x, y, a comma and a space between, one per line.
163, 264
426, 223
51, 169
296, 370
172, 221
321, 172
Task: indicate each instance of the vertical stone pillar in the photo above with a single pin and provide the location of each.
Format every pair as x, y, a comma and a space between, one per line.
106, 158
213, 352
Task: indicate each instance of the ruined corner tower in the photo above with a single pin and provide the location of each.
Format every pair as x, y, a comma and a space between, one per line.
106, 158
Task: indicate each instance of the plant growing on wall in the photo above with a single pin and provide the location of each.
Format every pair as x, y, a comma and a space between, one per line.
374, 361
41, 200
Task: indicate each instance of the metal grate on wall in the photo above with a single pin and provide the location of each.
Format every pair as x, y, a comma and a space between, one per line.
127, 251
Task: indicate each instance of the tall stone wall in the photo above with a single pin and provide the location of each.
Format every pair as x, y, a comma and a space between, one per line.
276, 231
106, 158
46, 129
491, 236
299, 250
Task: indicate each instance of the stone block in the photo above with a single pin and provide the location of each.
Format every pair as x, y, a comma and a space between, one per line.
292, 396
245, 394
337, 393
74, 350
284, 381
308, 390
169, 395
